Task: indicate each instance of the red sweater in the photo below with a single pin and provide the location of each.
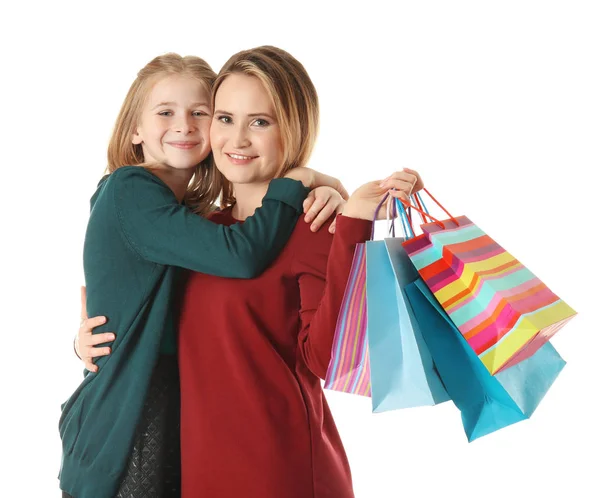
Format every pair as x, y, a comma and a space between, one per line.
254, 420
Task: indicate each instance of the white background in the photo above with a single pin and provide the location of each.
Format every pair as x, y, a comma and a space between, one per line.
495, 103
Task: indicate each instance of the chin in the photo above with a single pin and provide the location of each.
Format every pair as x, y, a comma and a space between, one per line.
236, 176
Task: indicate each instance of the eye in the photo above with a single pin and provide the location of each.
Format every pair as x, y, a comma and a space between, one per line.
199, 114
261, 122
165, 113
224, 119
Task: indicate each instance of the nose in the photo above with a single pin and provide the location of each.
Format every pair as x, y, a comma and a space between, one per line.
241, 137
184, 124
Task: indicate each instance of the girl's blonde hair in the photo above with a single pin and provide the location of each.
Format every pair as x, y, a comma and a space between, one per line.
206, 184
294, 98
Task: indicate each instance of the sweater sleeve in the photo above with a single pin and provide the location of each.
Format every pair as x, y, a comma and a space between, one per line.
161, 230
322, 270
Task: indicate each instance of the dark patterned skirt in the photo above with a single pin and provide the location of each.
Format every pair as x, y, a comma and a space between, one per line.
154, 468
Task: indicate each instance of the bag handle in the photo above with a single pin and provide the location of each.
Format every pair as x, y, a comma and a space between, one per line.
425, 213
395, 208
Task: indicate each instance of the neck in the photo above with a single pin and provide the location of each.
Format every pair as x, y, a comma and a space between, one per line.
248, 197
176, 179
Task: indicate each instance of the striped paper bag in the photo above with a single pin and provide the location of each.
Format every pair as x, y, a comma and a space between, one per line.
501, 308
349, 369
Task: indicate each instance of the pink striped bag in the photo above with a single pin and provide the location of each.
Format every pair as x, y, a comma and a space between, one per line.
349, 369
501, 308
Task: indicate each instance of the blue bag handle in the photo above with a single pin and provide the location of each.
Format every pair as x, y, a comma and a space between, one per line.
397, 206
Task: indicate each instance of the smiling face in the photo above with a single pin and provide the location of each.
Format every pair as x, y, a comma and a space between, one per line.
173, 129
245, 135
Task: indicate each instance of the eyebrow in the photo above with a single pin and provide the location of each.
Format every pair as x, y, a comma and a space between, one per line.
253, 115
195, 104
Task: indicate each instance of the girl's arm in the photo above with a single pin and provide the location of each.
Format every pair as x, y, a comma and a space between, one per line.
161, 230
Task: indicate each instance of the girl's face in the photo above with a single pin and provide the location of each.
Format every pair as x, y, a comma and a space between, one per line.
175, 122
245, 135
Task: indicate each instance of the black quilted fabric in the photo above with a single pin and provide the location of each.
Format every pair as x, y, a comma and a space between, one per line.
154, 469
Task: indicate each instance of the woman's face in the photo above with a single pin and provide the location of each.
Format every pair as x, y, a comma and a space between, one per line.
245, 135
175, 123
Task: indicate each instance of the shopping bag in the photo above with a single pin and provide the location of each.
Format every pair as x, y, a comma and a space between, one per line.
378, 350
402, 371
501, 308
487, 403
348, 369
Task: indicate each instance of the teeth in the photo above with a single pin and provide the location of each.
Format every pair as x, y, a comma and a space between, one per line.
235, 156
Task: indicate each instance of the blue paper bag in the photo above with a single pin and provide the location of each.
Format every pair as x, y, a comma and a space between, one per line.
487, 403
402, 371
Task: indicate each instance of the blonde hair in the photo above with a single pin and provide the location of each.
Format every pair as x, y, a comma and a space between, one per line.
294, 98
206, 184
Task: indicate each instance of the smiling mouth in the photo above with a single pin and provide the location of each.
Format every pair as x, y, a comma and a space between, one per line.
239, 157
183, 145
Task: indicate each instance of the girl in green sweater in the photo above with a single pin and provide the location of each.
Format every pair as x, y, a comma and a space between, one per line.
120, 428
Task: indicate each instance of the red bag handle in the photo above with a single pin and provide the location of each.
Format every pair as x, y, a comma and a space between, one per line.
419, 209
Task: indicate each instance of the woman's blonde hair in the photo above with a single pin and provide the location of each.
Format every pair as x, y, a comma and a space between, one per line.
294, 98
206, 184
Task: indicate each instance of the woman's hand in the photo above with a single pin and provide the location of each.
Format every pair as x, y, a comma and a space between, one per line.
320, 205
313, 179
86, 341
364, 201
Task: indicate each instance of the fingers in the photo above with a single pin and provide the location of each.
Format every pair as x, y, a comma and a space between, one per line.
308, 202
83, 303
323, 216
418, 184
406, 180
88, 353
89, 324
327, 201
400, 194
96, 352
332, 226
96, 339
89, 365
319, 199
403, 185
87, 342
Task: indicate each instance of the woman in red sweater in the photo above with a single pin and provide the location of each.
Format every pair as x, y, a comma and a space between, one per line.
254, 419
255, 422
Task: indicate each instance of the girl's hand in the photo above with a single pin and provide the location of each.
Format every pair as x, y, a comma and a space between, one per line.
313, 179
86, 341
365, 199
320, 204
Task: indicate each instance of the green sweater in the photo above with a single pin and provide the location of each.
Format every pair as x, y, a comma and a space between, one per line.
138, 236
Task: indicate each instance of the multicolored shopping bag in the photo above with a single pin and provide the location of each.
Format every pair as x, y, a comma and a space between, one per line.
487, 402
349, 369
501, 308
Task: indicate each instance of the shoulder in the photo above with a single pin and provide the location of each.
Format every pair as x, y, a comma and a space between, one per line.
129, 174
308, 242
135, 184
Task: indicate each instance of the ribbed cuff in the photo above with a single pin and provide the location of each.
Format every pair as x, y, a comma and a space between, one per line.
289, 191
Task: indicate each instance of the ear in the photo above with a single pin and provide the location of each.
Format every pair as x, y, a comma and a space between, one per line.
136, 138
